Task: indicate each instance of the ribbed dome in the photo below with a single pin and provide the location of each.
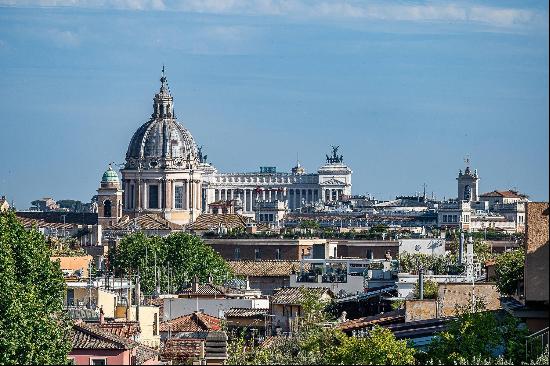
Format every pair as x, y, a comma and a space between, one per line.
110, 176
162, 142
162, 139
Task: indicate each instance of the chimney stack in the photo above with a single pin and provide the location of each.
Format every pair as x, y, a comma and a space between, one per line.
195, 284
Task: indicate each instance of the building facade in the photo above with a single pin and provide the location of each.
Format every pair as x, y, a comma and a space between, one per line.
167, 174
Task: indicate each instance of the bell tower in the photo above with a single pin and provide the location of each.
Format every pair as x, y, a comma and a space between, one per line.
468, 184
109, 199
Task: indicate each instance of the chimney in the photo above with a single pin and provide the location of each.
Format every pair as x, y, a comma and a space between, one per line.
195, 284
247, 283
209, 279
101, 315
421, 284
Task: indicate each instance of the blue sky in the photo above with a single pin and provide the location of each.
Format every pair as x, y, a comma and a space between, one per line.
406, 88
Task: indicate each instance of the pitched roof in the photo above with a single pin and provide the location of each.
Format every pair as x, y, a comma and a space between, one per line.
145, 222
179, 350
39, 223
207, 222
194, 322
206, 289
396, 316
505, 194
126, 329
214, 221
87, 336
245, 313
271, 268
295, 295
145, 353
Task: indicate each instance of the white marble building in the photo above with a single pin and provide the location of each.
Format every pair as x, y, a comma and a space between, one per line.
166, 174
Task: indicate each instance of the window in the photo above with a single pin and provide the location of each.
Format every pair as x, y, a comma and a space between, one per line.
237, 253
107, 208
98, 361
155, 324
153, 196
369, 254
278, 254
257, 255
132, 197
455, 218
178, 197
444, 218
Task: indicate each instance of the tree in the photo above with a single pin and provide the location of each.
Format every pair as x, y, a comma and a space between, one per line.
316, 342
430, 289
478, 334
33, 329
179, 258
509, 271
379, 347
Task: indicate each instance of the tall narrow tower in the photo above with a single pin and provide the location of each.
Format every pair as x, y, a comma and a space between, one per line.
468, 184
109, 199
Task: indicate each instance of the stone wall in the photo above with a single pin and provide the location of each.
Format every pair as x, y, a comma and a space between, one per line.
451, 295
420, 310
536, 275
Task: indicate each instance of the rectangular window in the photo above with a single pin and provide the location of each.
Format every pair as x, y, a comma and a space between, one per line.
257, 255
153, 196
455, 218
178, 197
155, 324
98, 361
444, 218
237, 253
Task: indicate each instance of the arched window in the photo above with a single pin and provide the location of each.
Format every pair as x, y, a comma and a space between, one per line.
107, 208
467, 193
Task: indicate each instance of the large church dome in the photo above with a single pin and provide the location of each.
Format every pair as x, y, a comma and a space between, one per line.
162, 142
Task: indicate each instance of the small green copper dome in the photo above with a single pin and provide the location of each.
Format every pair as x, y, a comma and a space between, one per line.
110, 176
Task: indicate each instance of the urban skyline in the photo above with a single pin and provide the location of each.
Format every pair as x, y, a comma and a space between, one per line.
275, 95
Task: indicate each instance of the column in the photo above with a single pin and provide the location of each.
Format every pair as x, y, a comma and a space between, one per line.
144, 203
186, 194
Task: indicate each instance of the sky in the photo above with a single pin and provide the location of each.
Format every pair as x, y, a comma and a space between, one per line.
407, 89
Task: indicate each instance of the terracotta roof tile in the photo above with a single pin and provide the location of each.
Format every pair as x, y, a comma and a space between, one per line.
122, 328
207, 289
180, 351
145, 222
396, 316
245, 313
266, 268
195, 322
295, 295
87, 336
504, 194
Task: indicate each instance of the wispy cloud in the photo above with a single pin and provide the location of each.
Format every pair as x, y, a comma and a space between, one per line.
428, 11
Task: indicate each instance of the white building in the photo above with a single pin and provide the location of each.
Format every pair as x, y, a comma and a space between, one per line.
167, 174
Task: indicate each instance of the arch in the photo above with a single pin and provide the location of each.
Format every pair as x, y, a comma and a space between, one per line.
107, 208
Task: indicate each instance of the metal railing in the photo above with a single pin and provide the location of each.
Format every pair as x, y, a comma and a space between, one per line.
536, 343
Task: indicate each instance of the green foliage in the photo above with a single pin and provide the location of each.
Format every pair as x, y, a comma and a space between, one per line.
317, 342
186, 256
509, 271
33, 329
476, 335
438, 264
309, 224
379, 348
430, 289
